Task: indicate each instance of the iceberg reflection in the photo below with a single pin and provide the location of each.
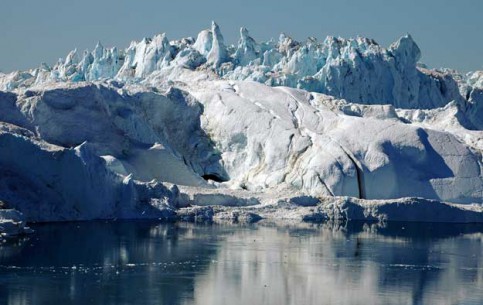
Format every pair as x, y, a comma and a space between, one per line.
152, 263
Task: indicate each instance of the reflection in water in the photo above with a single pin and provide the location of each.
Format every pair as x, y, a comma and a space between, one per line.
151, 263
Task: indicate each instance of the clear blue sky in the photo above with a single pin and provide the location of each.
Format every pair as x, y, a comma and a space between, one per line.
449, 32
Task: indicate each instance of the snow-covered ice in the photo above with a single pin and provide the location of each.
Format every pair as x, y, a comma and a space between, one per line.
162, 125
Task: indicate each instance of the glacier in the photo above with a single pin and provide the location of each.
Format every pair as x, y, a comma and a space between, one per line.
284, 129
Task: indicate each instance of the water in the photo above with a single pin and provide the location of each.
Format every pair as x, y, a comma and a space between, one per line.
152, 263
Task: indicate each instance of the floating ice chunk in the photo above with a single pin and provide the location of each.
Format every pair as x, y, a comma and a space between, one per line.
12, 223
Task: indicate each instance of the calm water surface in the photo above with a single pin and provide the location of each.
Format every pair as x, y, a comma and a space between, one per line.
152, 263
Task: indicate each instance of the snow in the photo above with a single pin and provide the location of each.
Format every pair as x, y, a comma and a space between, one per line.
475, 79
51, 183
294, 140
144, 131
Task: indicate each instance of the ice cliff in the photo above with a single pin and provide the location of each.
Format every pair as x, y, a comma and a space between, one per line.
141, 132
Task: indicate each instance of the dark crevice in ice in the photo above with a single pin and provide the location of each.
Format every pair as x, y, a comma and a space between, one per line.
214, 177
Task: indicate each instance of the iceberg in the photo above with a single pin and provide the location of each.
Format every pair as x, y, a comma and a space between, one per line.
163, 127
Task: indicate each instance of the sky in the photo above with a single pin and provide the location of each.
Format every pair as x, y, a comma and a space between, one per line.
449, 32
